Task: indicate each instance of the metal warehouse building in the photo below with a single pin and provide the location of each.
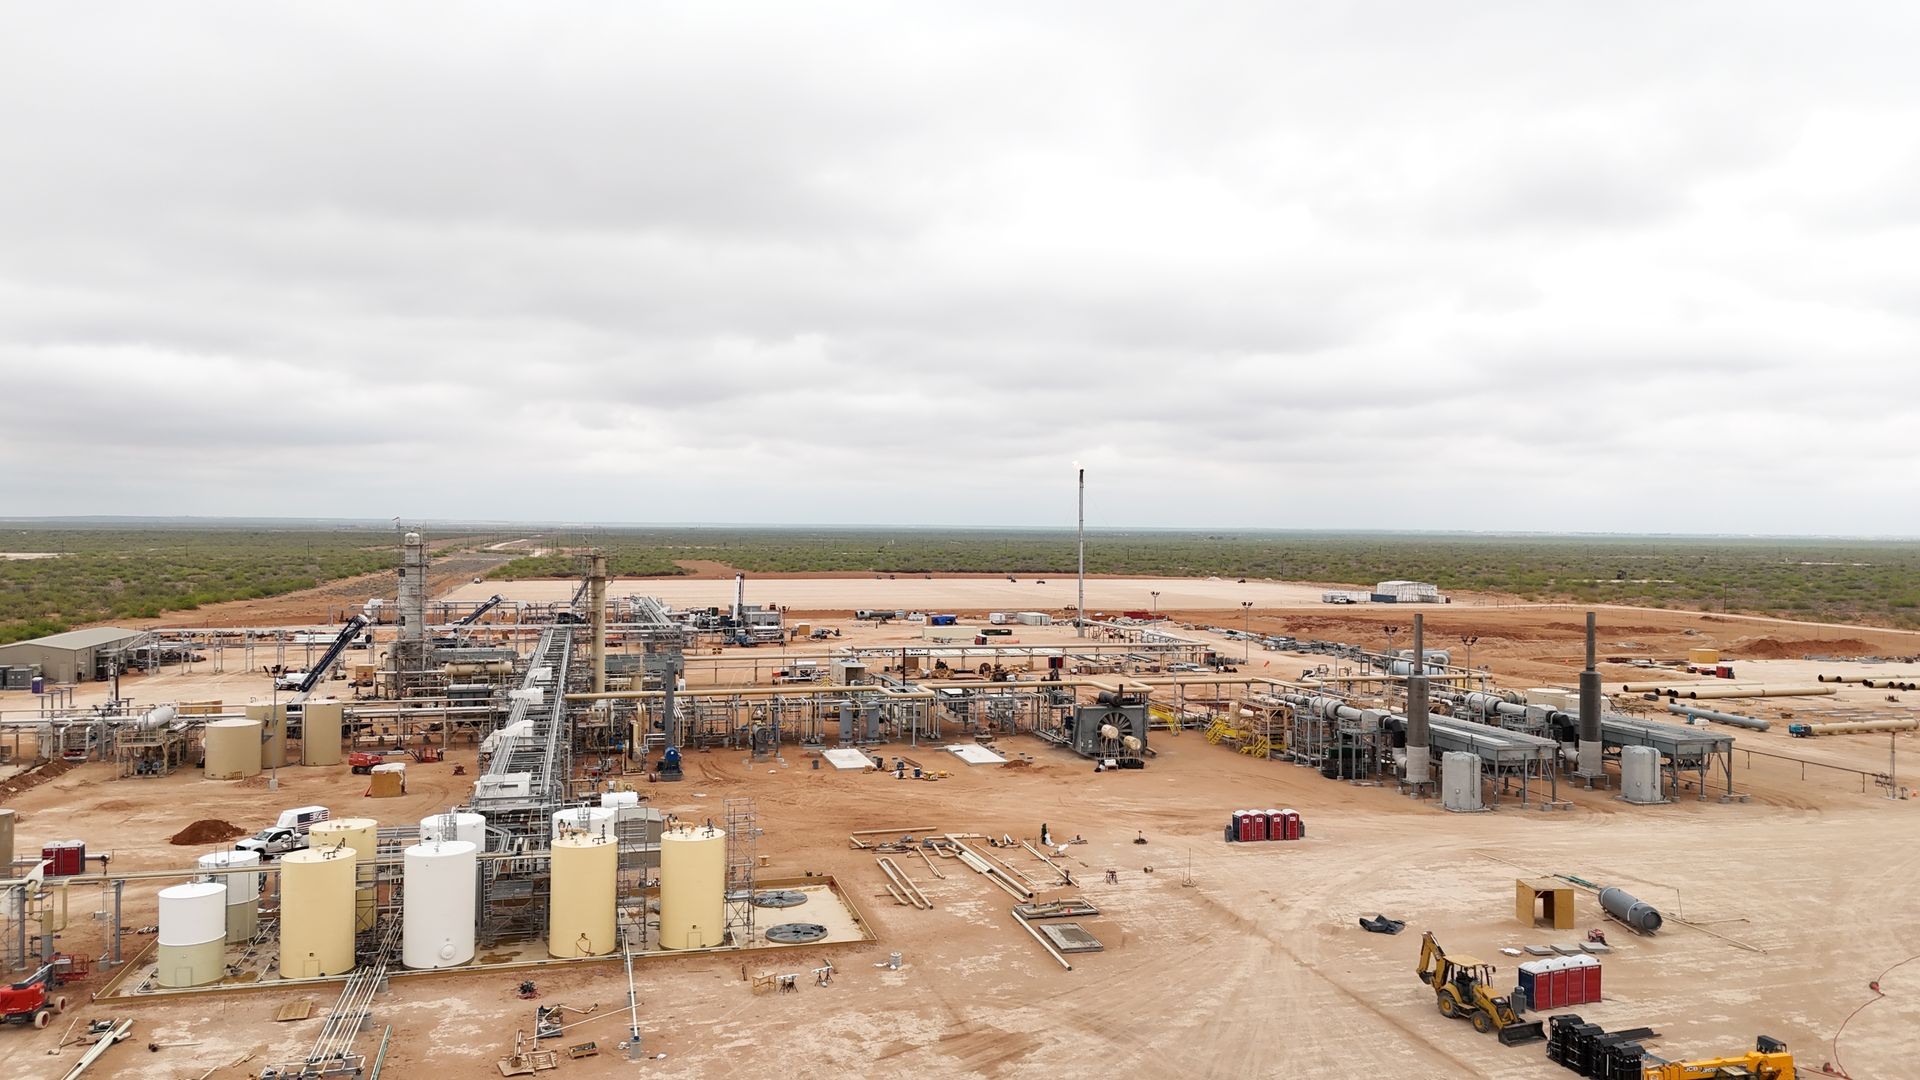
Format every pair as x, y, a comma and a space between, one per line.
74, 656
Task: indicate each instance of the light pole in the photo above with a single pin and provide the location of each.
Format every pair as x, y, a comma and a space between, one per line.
1468, 640
1246, 612
1156, 600
1080, 608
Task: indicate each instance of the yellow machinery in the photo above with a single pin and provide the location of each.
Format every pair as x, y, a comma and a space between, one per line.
1768, 1060
1460, 988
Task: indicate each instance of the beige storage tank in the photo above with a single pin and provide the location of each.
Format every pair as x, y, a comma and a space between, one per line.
693, 887
273, 729
316, 913
320, 726
193, 935
233, 749
363, 836
580, 911
243, 891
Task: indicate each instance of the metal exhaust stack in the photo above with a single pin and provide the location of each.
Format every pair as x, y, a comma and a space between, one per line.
597, 598
1418, 760
1587, 765
739, 600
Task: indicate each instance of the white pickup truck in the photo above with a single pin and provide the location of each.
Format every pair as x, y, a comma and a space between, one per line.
287, 834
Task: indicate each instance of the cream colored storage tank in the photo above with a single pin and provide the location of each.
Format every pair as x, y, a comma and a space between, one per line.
580, 911
693, 886
233, 749
273, 726
439, 904
316, 912
468, 827
193, 934
363, 836
320, 725
243, 891
591, 820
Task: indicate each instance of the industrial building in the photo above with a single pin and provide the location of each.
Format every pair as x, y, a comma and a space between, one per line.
75, 656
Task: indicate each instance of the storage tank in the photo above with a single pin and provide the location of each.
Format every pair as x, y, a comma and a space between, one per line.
464, 826
591, 820
438, 909
580, 911
273, 727
243, 891
193, 934
320, 725
316, 912
363, 836
1460, 781
1631, 910
616, 799
1640, 775
233, 749
693, 887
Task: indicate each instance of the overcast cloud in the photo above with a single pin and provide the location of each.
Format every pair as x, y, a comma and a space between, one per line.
1528, 265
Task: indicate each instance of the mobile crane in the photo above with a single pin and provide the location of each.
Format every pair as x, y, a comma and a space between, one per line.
1460, 989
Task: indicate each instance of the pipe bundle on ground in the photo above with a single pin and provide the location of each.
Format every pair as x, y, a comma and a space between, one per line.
1707, 692
1750, 722
1853, 727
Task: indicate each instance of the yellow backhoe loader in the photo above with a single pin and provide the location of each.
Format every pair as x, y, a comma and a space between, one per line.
1460, 988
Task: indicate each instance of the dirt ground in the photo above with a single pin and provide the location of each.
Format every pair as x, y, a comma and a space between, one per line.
1226, 960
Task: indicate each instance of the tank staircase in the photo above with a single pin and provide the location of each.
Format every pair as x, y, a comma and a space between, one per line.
742, 835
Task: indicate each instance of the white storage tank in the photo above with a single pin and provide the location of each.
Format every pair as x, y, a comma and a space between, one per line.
243, 890
596, 821
193, 934
1460, 781
1640, 775
439, 904
465, 826
617, 799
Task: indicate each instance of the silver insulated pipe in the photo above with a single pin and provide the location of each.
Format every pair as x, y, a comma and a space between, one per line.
1589, 730
1418, 759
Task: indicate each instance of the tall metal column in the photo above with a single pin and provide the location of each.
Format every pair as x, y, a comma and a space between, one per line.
1418, 754
597, 599
1080, 604
1588, 765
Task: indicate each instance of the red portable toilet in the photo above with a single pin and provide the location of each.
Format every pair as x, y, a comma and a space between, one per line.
1235, 825
1276, 824
1246, 825
1293, 828
65, 857
1588, 969
1259, 823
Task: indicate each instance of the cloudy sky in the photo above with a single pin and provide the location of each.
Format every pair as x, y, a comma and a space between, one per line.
1527, 265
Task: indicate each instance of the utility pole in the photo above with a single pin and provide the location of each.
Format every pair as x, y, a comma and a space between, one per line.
1246, 611
1080, 606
